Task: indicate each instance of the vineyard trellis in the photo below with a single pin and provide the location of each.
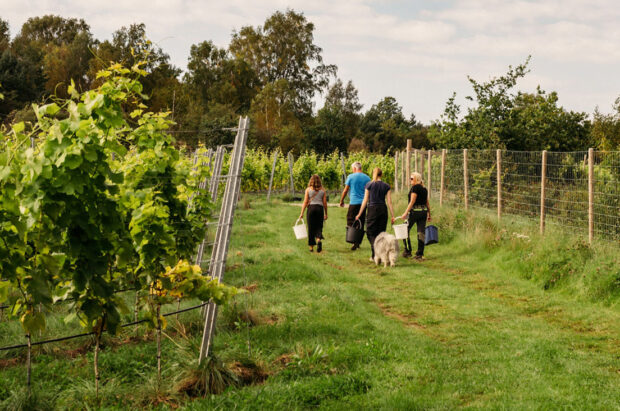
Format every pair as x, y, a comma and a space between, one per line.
212, 184
579, 191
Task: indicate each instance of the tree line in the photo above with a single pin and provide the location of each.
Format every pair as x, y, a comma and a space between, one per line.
273, 73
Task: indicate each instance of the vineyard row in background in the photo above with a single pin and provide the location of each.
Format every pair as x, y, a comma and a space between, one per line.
577, 190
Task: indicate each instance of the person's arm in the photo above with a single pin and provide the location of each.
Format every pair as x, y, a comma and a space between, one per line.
364, 203
389, 203
325, 204
410, 205
344, 194
428, 206
304, 204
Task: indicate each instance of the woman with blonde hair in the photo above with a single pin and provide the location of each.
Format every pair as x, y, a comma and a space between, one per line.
418, 212
375, 194
316, 202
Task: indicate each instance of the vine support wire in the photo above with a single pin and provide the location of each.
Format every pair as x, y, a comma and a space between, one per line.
222, 237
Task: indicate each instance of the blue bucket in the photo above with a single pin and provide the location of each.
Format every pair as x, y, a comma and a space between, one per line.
431, 234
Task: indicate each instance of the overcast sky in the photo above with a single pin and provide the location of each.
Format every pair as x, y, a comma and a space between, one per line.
416, 51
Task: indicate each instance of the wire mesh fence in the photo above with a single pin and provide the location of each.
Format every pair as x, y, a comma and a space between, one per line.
579, 191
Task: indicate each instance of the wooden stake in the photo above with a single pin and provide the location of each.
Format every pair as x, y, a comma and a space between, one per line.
422, 164
290, 171
499, 184
158, 346
543, 186
430, 154
396, 171
273, 170
29, 361
403, 184
465, 180
443, 169
590, 195
408, 158
415, 159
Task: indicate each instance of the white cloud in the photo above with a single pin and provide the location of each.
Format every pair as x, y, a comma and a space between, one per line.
392, 47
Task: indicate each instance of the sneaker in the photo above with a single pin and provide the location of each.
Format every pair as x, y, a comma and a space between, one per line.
419, 258
319, 247
355, 247
406, 253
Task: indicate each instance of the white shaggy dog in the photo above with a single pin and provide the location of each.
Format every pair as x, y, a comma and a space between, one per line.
386, 249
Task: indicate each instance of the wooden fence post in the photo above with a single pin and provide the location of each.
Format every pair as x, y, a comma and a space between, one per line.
403, 184
415, 159
422, 164
430, 172
590, 195
499, 184
290, 171
344, 170
465, 180
443, 170
273, 170
396, 171
543, 186
408, 168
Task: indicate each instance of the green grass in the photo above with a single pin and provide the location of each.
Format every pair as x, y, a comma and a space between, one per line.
492, 319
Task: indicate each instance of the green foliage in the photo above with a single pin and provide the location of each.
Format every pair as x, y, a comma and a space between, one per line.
98, 204
501, 119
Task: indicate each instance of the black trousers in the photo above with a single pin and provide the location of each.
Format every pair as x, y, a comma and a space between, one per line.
315, 223
376, 223
417, 217
353, 210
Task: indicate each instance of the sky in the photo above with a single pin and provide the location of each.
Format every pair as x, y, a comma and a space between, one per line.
419, 52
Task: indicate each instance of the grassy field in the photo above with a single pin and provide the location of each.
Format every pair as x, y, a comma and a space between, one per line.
495, 318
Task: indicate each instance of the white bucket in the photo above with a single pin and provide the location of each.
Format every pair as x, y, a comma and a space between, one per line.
300, 230
400, 231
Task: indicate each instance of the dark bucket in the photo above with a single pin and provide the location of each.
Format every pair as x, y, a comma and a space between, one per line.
432, 235
355, 235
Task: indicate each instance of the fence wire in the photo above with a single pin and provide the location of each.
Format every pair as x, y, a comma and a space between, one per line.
566, 200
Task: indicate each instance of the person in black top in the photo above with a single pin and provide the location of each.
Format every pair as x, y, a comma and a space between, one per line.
375, 195
418, 212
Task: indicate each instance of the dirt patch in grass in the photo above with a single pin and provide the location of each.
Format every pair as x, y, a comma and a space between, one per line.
9, 362
249, 374
409, 321
250, 288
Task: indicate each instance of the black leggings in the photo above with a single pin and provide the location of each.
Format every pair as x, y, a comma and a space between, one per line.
417, 217
376, 223
315, 223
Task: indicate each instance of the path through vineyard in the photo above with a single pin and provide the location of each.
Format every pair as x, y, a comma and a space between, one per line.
457, 330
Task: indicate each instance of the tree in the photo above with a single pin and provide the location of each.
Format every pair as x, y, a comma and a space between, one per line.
130, 45
273, 110
606, 128
512, 121
60, 47
384, 126
284, 49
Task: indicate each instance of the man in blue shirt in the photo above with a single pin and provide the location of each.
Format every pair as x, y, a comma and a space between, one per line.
355, 185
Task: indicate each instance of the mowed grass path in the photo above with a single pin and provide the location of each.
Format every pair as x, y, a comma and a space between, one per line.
458, 330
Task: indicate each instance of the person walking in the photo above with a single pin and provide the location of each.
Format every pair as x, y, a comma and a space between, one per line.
418, 212
316, 202
355, 186
375, 194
